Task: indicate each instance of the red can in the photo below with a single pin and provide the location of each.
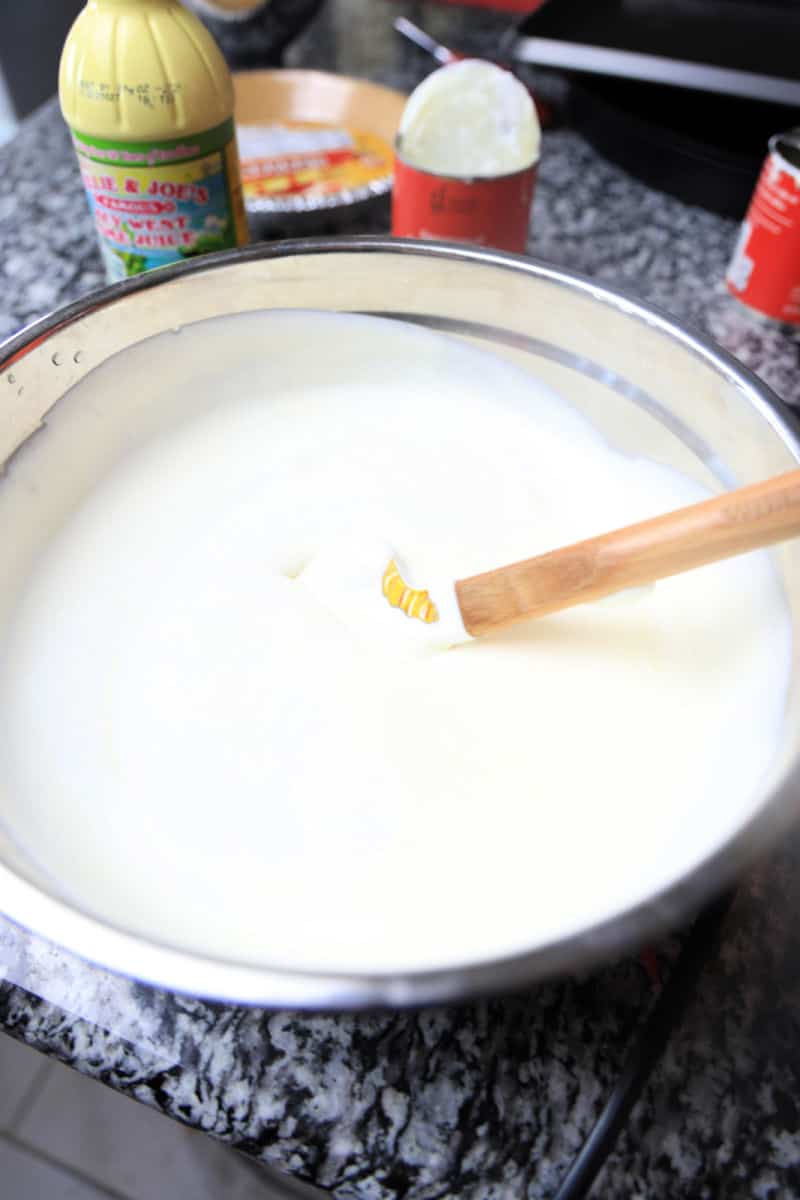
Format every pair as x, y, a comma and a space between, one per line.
765, 269
487, 211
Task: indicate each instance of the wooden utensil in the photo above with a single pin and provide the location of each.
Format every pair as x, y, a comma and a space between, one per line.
733, 523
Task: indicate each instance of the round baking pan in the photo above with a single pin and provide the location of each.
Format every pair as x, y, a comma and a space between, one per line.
307, 111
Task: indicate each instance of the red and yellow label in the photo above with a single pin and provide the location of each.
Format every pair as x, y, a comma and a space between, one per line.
301, 157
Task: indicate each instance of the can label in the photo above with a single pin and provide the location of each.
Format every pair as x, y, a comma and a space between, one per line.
484, 211
157, 203
765, 269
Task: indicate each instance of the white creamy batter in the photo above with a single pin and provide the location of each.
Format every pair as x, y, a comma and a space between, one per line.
194, 747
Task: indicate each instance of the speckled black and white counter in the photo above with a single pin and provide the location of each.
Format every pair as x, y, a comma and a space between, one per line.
489, 1100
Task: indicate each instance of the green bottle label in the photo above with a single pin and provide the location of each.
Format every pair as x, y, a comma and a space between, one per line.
157, 203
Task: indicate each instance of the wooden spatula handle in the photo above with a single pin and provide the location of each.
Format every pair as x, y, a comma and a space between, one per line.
733, 523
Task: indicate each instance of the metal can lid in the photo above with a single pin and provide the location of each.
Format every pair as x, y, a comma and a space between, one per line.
786, 146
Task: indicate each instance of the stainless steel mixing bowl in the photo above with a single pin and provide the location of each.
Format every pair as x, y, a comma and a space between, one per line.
642, 378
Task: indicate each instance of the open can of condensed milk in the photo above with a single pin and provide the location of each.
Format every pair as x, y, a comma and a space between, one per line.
492, 211
466, 157
764, 272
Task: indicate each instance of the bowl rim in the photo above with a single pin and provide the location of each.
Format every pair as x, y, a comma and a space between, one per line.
163, 966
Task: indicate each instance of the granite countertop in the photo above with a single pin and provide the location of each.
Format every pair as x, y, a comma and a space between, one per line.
490, 1099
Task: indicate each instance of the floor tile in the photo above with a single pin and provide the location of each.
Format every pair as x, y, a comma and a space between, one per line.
123, 1146
20, 1066
26, 1177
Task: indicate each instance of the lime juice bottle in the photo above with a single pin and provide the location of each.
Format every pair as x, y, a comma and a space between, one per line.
148, 99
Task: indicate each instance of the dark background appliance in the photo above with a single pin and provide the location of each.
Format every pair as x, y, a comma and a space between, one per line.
682, 93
